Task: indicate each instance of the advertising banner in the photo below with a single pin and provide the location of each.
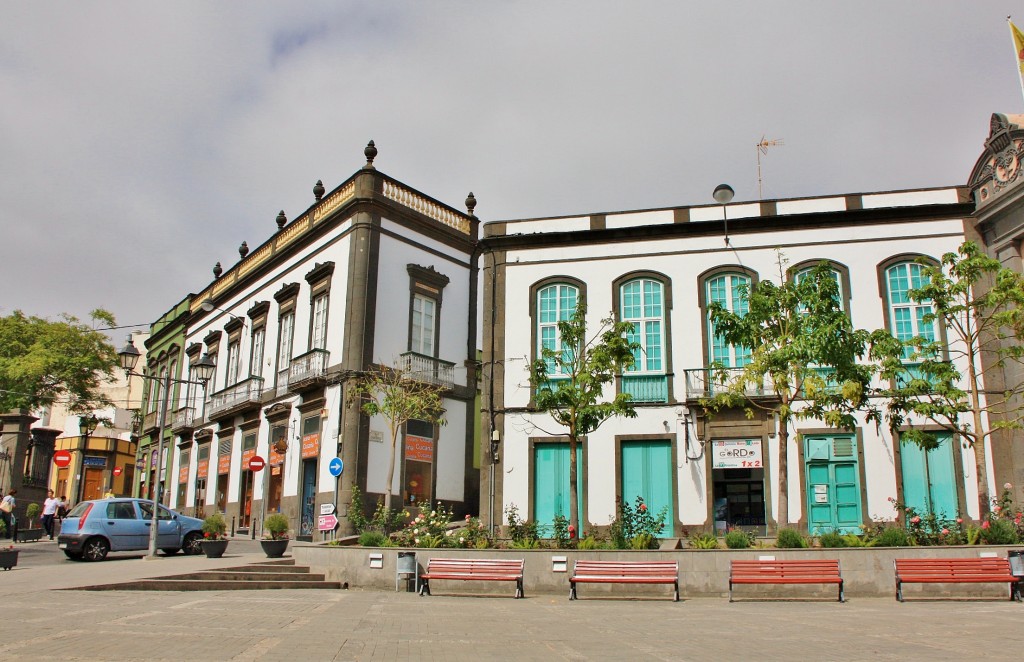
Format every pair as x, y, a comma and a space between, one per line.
736, 454
419, 448
310, 445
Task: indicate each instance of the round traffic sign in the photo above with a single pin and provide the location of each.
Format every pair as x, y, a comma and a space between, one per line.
62, 458
336, 466
117, 471
256, 463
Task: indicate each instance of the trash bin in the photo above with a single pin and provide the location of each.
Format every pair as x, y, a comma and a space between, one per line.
1016, 558
406, 568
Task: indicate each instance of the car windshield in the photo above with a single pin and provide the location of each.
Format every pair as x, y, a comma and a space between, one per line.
147, 510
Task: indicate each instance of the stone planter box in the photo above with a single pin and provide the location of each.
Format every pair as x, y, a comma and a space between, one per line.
8, 558
867, 571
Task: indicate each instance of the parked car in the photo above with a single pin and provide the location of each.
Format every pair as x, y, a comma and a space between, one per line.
94, 528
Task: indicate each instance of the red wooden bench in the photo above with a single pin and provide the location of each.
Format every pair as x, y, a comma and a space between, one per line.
625, 572
790, 571
491, 570
955, 571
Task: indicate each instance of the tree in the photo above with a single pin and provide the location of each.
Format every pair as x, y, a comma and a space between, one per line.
398, 395
569, 381
980, 305
42, 360
803, 362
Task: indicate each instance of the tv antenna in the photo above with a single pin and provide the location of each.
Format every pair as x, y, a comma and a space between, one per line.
762, 148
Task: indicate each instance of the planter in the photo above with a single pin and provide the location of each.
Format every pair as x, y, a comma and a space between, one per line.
8, 558
274, 548
214, 549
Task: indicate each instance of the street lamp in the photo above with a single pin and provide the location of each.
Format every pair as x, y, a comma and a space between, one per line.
723, 195
86, 426
203, 371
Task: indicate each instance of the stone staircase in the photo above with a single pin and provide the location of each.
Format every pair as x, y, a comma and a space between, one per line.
255, 576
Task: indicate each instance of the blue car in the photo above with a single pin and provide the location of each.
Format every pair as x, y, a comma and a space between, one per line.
94, 528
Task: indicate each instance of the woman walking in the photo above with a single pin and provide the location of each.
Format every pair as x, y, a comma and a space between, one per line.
7, 514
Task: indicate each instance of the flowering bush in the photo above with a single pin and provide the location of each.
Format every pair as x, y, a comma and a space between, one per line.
635, 527
523, 533
435, 528
930, 529
275, 527
214, 527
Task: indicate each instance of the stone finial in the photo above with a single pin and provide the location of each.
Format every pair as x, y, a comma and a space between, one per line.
281, 220
318, 190
371, 154
243, 250
470, 203
217, 270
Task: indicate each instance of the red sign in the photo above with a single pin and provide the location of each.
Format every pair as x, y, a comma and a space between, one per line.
326, 522
256, 463
203, 469
419, 448
311, 445
223, 464
62, 458
117, 471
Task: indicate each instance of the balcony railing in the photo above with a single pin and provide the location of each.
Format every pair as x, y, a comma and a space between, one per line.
428, 369
706, 382
237, 397
183, 419
150, 421
307, 369
646, 388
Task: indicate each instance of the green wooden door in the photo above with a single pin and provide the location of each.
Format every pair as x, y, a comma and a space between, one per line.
551, 484
833, 484
929, 478
647, 472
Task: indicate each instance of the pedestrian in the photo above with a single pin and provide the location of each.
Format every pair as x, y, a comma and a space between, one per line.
62, 508
7, 514
50, 507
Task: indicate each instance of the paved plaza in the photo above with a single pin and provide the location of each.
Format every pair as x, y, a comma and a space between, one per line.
43, 621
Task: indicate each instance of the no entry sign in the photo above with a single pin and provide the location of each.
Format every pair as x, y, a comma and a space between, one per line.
117, 471
256, 463
62, 458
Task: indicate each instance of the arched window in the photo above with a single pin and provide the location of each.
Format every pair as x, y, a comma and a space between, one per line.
642, 301
555, 303
906, 317
729, 290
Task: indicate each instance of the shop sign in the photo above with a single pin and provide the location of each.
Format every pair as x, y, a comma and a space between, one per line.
183, 474
310, 445
93, 461
247, 455
276, 459
224, 464
736, 454
419, 448
202, 469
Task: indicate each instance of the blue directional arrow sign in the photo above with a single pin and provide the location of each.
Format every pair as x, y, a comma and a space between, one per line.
336, 466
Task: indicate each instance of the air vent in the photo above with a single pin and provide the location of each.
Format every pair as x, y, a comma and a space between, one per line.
842, 447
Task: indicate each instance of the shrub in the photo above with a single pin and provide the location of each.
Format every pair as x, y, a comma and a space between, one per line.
374, 539
832, 539
737, 539
561, 532
891, 536
853, 540
275, 527
520, 530
32, 512
790, 539
214, 527
704, 541
636, 521
999, 532
356, 514
590, 542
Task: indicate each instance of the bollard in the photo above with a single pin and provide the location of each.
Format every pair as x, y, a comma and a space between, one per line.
232, 526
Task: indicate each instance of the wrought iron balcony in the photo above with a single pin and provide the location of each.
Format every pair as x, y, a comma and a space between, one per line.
428, 369
236, 398
183, 419
307, 369
150, 421
646, 388
706, 382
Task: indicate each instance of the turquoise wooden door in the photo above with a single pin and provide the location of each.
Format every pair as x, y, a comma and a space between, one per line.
551, 484
929, 478
833, 484
647, 472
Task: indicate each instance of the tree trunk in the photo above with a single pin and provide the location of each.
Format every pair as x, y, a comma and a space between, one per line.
574, 520
391, 468
782, 517
981, 467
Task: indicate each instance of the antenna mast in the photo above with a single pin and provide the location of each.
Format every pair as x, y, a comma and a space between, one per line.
762, 148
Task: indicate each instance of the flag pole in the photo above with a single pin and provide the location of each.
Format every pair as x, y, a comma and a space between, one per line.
1018, 50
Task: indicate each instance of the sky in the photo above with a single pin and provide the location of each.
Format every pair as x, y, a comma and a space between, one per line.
142, 142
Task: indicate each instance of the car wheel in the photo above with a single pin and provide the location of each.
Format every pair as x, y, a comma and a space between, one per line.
95, 549
193, 543
74, 556
170, 551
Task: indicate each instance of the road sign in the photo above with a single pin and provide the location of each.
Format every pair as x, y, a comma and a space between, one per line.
256, 463
326, 522
326, 508
117, 471
336, 466
62, 458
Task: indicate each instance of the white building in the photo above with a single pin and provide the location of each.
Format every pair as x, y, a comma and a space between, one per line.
660, 268
372, 273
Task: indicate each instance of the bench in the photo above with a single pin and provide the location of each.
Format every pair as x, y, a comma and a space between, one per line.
817, 571
490, 570
625, 572
955, 571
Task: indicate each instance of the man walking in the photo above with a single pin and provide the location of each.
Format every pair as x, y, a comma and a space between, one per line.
49, 512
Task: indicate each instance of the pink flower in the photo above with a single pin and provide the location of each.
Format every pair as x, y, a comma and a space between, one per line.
1007, 486
959, 520
996, 509
945, 532
467, 517
985, 524
915, 520
643, 507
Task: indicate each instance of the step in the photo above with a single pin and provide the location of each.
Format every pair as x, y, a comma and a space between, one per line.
236, 575
200, 585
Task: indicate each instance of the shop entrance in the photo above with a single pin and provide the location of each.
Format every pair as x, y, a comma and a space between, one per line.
738, 498
308, 497
245, 499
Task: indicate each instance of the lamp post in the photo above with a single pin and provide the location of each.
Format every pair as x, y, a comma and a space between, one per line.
86, 426
203, 370
723, 195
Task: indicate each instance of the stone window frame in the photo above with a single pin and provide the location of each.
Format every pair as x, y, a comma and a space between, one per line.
702, 300
666, 317
426, 283
319, 279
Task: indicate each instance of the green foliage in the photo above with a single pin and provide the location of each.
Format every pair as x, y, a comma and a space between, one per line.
41, 361
790, 539
973, 535
832, 539
276, 527
214, 527
562, 538
853, 540
520, 530
999, 532
32, 511
635, 528
928, 528
474, 534
569, 382
891, 536
374, 539
590, 542
737, 539
430, 528
704, 541
356, 513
